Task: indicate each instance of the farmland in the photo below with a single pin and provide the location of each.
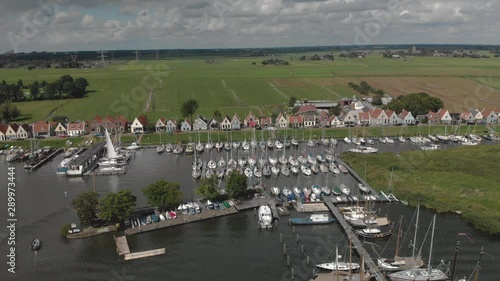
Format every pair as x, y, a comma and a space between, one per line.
236, 85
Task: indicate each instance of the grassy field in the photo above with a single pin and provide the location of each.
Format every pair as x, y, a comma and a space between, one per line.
464, 179
236, 85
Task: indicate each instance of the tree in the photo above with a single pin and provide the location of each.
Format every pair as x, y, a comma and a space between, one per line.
236, 184
335, 110
208, 188
377, 100
417, 103
9, 111
116, 207
217, 115
34, 91
86, 205
163, 193
189, 107
292, 101
302, 58
69, 89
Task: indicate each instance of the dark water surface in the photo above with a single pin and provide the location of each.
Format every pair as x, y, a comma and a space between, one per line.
227, 248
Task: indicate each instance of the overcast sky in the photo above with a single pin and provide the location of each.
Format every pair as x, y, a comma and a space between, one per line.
62, 25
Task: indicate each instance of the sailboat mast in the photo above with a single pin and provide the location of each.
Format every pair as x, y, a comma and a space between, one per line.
476, 274
399, 235
432, 242
455, 260
415, 236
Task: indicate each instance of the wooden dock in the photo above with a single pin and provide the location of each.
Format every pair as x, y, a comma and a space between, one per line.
311, 207
123, 249
50, 156
355, 241
182, 219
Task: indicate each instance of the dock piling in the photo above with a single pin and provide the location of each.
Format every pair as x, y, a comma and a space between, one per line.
297, 238
284, 249
307, 260
293, 229
281, 237
292, 274
288, 260
303, 249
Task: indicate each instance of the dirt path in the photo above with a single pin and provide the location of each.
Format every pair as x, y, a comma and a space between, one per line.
286, 97
332, 92
232, 91
148, 100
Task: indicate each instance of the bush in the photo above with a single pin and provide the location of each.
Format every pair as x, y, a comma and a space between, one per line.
65, 230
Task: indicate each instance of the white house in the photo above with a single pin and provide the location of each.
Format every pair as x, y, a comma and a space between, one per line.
281, 121
171, 125
77, 129
213, 124
23, 132
186, 125
226, 123
3, 130
393, 118
364, 118
378, 117
137, 126
200, 124
489, 116
161, 125
351, 118
478, 117
467, 117
334, 121
444, 116
236, 122
407, 118
60, 130
11, 133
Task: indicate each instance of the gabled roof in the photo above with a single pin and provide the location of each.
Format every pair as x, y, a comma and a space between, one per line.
332, 118
203, 119
364, 116
62, 125
388, 112
186, 120
142, 120
487, 112
3, 128
97, 119
41, 126
404, 114
171, 120
250, 114
432, 115
441, 112
14, 127
465, 115
163, 120
226, 118
26, 127
280, 115
76, 126
376, 112
307, 108
295, 119
110, 118
324, 114
235, 116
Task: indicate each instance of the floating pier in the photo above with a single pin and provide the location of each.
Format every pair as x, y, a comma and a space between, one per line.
311, 207
355, 241
123, 249
50, 156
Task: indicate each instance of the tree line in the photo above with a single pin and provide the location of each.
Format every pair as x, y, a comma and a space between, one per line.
64, 88
119, 206
417, 103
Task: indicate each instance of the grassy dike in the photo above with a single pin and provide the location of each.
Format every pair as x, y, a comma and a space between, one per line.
464, 178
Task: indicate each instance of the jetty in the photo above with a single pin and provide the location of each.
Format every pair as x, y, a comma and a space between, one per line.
123, 249
355, 241
182, 219
45, 159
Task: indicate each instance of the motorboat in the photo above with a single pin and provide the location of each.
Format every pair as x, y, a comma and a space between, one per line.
196, 173
305, 170
160, 149
169, 147
36, 244
179, 149
316, 190
363, 149
265, 217
431, 147
133, 146
372, 232
312, 219
345, 190
275, 191
389, 140
325, 190
363, 188
294, 142
286, 191
189, 149
302, 159
402, 139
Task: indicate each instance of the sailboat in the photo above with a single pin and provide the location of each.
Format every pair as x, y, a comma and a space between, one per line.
422, 274
339, 266
402, 263
161, 147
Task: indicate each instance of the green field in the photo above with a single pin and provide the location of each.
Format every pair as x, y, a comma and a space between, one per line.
464, 179
235, 85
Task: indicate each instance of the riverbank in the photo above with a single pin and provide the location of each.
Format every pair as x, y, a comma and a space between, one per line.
299, 134
464, 178
91, 231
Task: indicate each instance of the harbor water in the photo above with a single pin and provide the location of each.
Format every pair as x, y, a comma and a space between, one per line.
227, 248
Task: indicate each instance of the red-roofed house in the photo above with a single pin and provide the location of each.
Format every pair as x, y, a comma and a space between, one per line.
41, 128
138, 125
186, 125
109, 123
308, 108
171, 125
378, 117
61, 130
444, 116
78, 128
364, 118
393, 118
251, 121
323, 116
23, 132
295, 121
121, 123
467, 117
407, 118
3, 130
161, 125
266, 122
96, 125
490, 116
432, 117
281, 121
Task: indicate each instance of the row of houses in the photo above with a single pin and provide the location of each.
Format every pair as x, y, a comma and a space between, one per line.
43, 128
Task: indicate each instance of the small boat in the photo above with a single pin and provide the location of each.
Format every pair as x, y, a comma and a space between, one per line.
189, 149
178, 149
363, 188
286, 191
340, 266
430, 147
275, 191
278, 144
302, 160
266, 171
36, 244
200, 147
314, 169
133, 146
402, 139
325, 190
160, 149
372, 232
344, 189
294, 142
275, 170
343, 169
294, 170
265, 217
311, 143
168, 148
312, 219
323, 168
389, 140
296, 191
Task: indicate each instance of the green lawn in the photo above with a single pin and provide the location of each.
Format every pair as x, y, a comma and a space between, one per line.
464, 178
